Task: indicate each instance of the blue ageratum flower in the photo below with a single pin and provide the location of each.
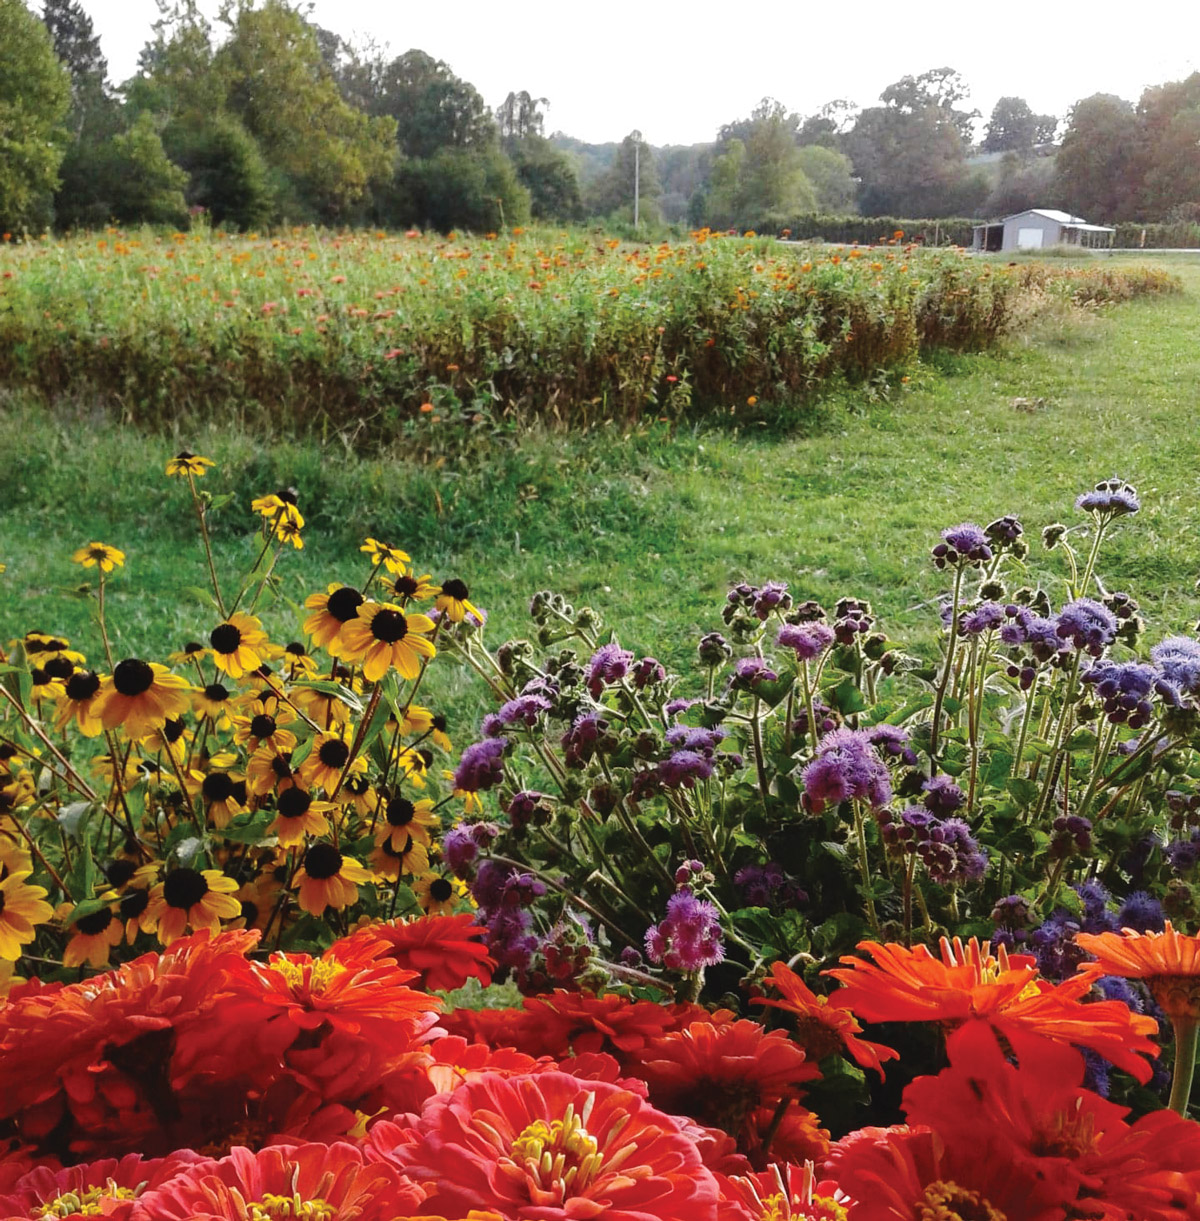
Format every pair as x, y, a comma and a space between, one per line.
1111, 498
966, 544
1089, 625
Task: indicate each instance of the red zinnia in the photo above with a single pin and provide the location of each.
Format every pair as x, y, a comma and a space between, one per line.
551, 1147
823, 1026
283, 1181
445, 951
780, 1193
968, 983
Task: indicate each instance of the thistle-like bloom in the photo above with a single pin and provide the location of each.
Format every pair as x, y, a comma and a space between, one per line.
481, 766
824, 1025
238, 645
966, 544
1089, 625
609, 664
99, 555
970, 984
556, 1148
688, 938
1111, 498
185, 463
140, 696
383, 637
807, 640
846, 768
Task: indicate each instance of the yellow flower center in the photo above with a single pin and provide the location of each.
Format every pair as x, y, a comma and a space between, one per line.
1067, 1136
86, 1203
316, 976
945, 1201
560, 1156
774, 1209
273, 1208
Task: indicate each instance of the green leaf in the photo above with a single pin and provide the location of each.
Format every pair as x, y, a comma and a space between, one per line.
73, 818
81, 881
200, 594
88, 907
847, 698
248, 829
1025, 791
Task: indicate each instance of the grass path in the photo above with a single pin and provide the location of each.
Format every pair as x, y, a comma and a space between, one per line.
651, 529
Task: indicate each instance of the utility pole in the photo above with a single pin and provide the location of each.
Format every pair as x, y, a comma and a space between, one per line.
637, 177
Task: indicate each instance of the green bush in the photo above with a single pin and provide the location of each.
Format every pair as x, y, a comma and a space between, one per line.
867, 230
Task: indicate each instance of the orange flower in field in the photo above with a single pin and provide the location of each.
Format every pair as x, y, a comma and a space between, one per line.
1169, 962
445, 951
328, 879
968, 983
238, 645
823, 1027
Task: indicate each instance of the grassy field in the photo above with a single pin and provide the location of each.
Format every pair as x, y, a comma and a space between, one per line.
651, 527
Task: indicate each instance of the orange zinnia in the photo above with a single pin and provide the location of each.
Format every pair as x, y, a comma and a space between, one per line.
823, 1027
1169, 962
967, 983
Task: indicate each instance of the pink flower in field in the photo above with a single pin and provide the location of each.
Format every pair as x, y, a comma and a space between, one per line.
269, 307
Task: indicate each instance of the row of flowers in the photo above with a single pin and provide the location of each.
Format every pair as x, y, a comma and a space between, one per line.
202, 1083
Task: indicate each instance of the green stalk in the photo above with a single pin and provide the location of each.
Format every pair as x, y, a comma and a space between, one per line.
864, 866
944, 682
1187, 1034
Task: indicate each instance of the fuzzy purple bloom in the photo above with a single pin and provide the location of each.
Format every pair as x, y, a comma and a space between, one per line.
1089, 625
684, 737
751, 671
688, 938
648, 670
524, 710
772, 596
942, 795
1113, 496
683, 769
587, 736
846, 767
892, 742
807, 640
966, 544
459, 849
984, 618
481, 766
1178, 660
1142, 913
609, 664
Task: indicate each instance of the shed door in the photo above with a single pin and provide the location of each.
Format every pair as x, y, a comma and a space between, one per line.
1029, 239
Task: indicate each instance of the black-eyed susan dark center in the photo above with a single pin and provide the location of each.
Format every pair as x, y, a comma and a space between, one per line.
281, 765
296, 649
440, 890
343, 603
262, 726
294, 803
249, 912
97, 922
406, 586
60, 667
217, 786
334, 753
134, 903
184, 888
322, 861
400, 811
388, 850
119, 872
358, 785
133, 677
226, 638
216, 692
440, 723
193, 646
39, 676
389, 626
456, 589
173, 729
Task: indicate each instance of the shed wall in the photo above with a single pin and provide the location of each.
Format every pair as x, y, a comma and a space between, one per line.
1051, 229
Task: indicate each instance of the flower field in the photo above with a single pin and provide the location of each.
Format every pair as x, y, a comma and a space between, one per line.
371, 333
811, 928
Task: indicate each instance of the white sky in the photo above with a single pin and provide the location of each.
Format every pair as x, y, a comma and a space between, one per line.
678, 71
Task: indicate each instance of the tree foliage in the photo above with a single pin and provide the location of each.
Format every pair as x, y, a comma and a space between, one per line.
1093, 165
613, 191
35, 95
1014, 127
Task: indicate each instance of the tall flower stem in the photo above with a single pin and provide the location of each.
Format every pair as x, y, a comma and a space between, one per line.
1065, 717
944, 682
1187, 1034
103, 626
864, 865
760, 763
212, 568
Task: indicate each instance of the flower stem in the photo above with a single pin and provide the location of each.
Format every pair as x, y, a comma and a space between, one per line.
944, 682
212, 568
864, 866
1187, 1034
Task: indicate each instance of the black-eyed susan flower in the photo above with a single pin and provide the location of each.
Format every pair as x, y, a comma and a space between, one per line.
383, 637
192, 651
93, 938
298, 815
197, 898
327, 878
411, 858
273, 503
436, 894
359, 792
43, 647
22, 908
269, 768
297, 661
321, 708
216, 702
265, 727
328, 758
417, 719
173, 736
409, 587
237, 645
44, 686
453, 600
99, 555
288, 527
186, 463
224, 797
331, 610
402, 818
132, 912
384, 553
139, 696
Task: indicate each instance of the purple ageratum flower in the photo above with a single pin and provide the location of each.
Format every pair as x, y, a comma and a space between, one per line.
1142, 913
846, 768
459, 849
1113, 497
966, 544
1004, 530
1012, 911
807, 640
1183, 854
767, 885
1089, 625
609, 664
892, 742
772, 596
481, 766
1178, 661
683, 769
1124, 690
676, 706
984, 618
510, 941
1053, 943
524, 710
647, 671
751, 671
688, 938
951, 855
942, 796
683, 737
585, 738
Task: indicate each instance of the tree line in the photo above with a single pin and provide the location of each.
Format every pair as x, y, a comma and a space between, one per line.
263, 117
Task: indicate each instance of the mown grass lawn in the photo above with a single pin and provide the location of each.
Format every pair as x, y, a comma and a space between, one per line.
651, 528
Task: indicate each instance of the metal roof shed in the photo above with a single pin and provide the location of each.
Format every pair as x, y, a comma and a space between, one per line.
1038, 227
